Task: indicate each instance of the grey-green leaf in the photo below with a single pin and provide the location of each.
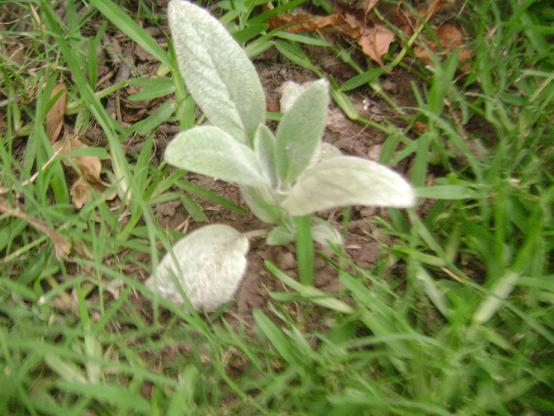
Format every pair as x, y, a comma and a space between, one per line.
264, 146
259, 202
290, 91
216, 70
328, 150
206, 265
210, 151
346, 180
279, 236
299, 132
325, 234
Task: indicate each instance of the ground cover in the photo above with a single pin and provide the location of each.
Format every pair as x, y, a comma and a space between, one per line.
443, 309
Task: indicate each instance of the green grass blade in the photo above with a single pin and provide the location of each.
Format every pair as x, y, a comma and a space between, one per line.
275, 336
493, 302
309, 292
305, 250
128, 26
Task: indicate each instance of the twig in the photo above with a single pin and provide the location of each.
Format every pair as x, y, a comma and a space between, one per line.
256, 234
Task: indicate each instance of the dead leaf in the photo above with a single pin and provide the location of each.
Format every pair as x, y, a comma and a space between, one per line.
54, 118
302, 21
350, 25
87, 167
80, 192
368, 5
420, 127
424, 54
450, 36
375, 42
61, 245
451, 39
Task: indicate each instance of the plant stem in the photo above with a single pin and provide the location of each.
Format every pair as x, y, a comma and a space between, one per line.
261, 233
305, 250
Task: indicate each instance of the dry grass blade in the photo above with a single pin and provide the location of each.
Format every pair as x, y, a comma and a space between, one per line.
61, 245
54, 118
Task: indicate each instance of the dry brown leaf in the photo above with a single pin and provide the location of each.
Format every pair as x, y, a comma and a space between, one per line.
88, 168
375, 42
61, 245
450, 39
302, 21
350, 25
450, 36
80, 192
368, 5
54, 118
423, 54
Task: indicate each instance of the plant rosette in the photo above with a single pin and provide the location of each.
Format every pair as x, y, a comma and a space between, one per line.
281, 175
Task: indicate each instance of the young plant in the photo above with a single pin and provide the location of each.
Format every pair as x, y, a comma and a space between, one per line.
281, 175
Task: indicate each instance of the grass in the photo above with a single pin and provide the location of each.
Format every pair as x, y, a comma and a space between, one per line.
455, 318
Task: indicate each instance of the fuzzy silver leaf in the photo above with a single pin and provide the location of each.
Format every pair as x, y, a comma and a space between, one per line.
346, 180
216, 70
212, 152
208, 264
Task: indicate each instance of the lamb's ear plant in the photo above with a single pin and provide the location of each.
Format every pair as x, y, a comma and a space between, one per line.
281, 174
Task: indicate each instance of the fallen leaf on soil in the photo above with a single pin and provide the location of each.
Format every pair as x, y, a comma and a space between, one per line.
301, 21
88, 168
375, 42
450, 36
61, 245
80, 192
450, 39
54, 118
368, 5
374, 37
